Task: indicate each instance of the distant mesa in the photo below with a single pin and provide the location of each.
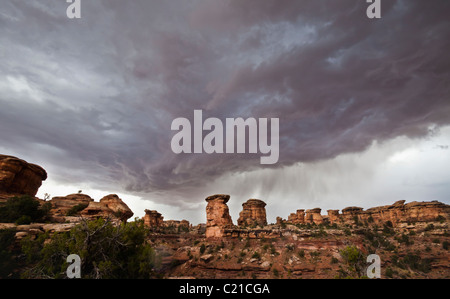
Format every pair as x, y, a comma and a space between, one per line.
154, 221
398, 212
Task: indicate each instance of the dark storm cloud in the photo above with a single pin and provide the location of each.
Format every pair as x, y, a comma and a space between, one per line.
103, 90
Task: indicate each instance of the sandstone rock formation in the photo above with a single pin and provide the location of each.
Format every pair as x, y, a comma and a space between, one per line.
63, 205
217, 215
298, 217
177, 224
253, 213
314, 216
117, 206
110, 206
399, 212
153, 219
18, 177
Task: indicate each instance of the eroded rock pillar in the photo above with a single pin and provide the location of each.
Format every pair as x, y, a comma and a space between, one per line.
217, 215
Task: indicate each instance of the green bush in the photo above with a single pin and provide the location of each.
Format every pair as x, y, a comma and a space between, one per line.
354, 259
256, 255
76, 209
106, 251
413, 262
24, 210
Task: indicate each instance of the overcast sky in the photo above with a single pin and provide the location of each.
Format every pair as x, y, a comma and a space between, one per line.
363, 104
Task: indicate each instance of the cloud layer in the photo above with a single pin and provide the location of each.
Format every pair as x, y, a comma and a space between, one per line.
92, 100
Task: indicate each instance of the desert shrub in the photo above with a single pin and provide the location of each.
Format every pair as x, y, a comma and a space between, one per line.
24, 210
76, 209
440, 219
413, 262
256, 255
404, 239
106, 251
429, 227
354, 259
445, 245
388, 229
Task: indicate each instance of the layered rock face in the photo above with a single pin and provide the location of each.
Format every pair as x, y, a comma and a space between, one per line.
298, 217
153, 219
177, 224
19, 177
314, 216
399, 212
253, 213
217, 215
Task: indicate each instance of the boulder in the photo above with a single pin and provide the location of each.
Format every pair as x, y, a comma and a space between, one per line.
117, 206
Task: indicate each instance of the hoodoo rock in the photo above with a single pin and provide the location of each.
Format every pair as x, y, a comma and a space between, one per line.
333, 215
153, 219
217, 215
253, 213
314, 216
19, 177
298, 217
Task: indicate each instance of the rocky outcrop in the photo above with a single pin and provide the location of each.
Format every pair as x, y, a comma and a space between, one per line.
153, 219
177, 224
314, 216
217, 215
18, 177
298, 217
253, 213
397, 213
69, 208
117, 206
333, 215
